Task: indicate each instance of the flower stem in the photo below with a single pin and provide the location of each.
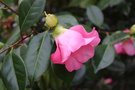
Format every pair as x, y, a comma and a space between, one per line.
15, 44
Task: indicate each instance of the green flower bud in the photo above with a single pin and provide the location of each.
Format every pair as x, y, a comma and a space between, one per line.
132, 29
1, 44
118, 32
51, 20
58, 31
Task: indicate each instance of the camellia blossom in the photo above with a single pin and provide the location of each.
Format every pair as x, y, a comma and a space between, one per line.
74, 46
126, 47
108, 81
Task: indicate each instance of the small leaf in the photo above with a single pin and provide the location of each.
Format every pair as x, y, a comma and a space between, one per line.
115, 2
103, 4
95, 15
116, 38
104, 56
67, 20
29, 12
37, 55
13, 72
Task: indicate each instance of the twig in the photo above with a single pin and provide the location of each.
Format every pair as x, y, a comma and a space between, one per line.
105, 32
15, 44
8, 7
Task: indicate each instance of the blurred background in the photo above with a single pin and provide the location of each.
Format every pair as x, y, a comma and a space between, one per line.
108, 16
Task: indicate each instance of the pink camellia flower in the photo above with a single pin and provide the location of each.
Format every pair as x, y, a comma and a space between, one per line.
126, 47
74, 46
108, 81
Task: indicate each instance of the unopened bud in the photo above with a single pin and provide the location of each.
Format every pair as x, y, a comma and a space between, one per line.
51, 20
132, 29
118, 32
1, 44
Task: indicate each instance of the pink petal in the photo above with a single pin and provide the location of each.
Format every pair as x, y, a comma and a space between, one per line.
119, 49
72, 64
129, 47
69, 42
126, 31
84, 53
94, 33
80, 29
56, 56
92, 37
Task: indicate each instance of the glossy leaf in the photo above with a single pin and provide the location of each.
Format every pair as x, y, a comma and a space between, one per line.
67, 20
37, 55
95, 15
21, 51
29, 12
103, 4
104, 56
115, 2
116, 38
13, 72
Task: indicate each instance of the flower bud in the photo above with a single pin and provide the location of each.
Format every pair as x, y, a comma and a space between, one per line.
132, 29
51, 20
1, 44
118, 32
58, 31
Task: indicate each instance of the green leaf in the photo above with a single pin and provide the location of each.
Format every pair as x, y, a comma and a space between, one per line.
75, 3
95, 15
104, 56
29, 12
15, 36
37, 55
21, 51
61, 72
82, 3
49, 79
2, 86
9, 2
116, 38
67, 20
115, 2
79, 75
103, 4
13, 72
